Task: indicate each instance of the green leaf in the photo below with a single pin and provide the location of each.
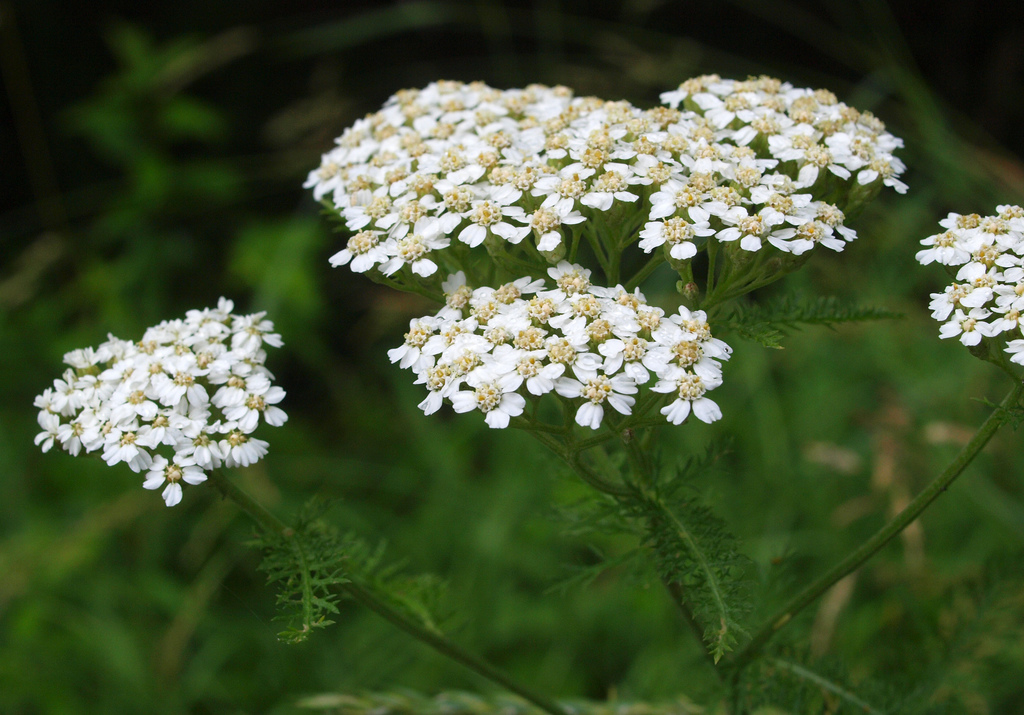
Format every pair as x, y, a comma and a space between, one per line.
308, 566
766, 323
418, 597
825, 683
694, 552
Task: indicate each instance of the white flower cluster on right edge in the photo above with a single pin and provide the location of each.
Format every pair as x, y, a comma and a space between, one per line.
183, 400
987, 297
489, 346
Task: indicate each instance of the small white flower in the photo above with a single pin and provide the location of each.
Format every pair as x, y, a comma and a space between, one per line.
495, 398
409, 354
413, 248
678, 233
690, 388
596, 391
241, 450
50, 423
120, 446
488, 216
966, 325
547, 223
945, 248
942, 304
364, 250
751, 229
264, 403
162, 472
570, 278
613, 185
1016, 350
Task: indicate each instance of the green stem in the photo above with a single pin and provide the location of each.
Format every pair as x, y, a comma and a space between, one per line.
709, 288
532, 423
591, 477
645, 272
449, 649
576, 233
400, 284
543, 437
883, 536
250, 506
585, 444
595, 244
269, 522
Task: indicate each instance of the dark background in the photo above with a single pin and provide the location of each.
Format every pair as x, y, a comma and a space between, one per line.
153, 158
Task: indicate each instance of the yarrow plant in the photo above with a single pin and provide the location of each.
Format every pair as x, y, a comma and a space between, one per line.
533, 219
183, 400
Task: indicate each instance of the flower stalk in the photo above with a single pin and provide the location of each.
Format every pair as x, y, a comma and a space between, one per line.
882, 537
269, 522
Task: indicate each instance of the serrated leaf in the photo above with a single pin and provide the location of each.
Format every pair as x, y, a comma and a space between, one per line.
308, 566
693, 550
766, 323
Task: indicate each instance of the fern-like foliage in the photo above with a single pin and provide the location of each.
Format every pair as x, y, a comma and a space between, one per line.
308, 565
766, 323
795, 684
418, 597
314, 566
694, 553
688, 546
979, 657
1013, 415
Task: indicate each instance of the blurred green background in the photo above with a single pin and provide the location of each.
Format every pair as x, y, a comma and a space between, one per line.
153, 161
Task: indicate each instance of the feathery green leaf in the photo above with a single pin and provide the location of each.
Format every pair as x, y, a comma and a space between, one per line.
766, 323
307, 565
693, 550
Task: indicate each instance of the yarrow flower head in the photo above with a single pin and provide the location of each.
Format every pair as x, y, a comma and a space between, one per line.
986, 299
494, 348
182, 400
455, 188
756, 164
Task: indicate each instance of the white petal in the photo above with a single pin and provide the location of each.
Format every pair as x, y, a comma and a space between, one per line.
589, 415
473, 235
677, 411
706, 410
172, 494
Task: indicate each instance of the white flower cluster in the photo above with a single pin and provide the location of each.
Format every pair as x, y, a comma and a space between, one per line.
746, 161
987, 297
489, 346
182, 400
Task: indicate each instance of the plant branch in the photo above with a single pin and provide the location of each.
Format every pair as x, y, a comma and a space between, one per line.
449, 649
362, 595
883, 536
644, 273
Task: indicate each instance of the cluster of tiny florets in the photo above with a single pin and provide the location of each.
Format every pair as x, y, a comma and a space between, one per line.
987, 296
490, 348
182, 400
749, 162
